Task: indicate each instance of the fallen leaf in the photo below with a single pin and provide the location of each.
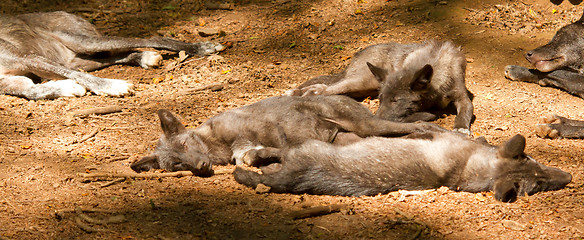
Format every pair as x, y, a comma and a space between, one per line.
358, 11
226, 71
345, 58
26, 146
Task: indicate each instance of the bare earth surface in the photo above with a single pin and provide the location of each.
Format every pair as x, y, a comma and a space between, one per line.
277, 45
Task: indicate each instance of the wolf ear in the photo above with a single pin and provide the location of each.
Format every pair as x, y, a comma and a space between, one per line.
378, 72
505, 190
422, 78
170, 124
146, 163
513, 148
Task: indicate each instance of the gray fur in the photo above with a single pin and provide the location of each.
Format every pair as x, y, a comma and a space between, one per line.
255, 133
57, 45
388, 71
560, 63
380, 165
556, 126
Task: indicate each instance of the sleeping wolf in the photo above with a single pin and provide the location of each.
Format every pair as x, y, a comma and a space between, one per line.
59, 45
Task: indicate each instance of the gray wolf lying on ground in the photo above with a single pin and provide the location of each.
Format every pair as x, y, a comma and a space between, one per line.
59, 45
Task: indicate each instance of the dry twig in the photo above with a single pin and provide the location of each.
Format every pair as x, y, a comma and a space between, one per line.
137, 175
119, 180
86, 137
147, 175
85, 227
59, 214
213, 87
317, 211
98, 111
117, 159
113, 219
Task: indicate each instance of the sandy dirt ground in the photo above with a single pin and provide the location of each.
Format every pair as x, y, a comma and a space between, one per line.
276, 46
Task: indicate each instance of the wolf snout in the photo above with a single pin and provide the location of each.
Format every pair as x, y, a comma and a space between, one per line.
561, 178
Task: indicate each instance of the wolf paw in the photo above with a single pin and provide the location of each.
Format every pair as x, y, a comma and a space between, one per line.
464, 131
552, 118
206, 48
517, 73
112, 87
546, 131
316, 89
67, 88
150, 59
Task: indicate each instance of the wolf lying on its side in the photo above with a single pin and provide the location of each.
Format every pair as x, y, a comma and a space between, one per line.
253, 133
409, 79
59, 45
379, 165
